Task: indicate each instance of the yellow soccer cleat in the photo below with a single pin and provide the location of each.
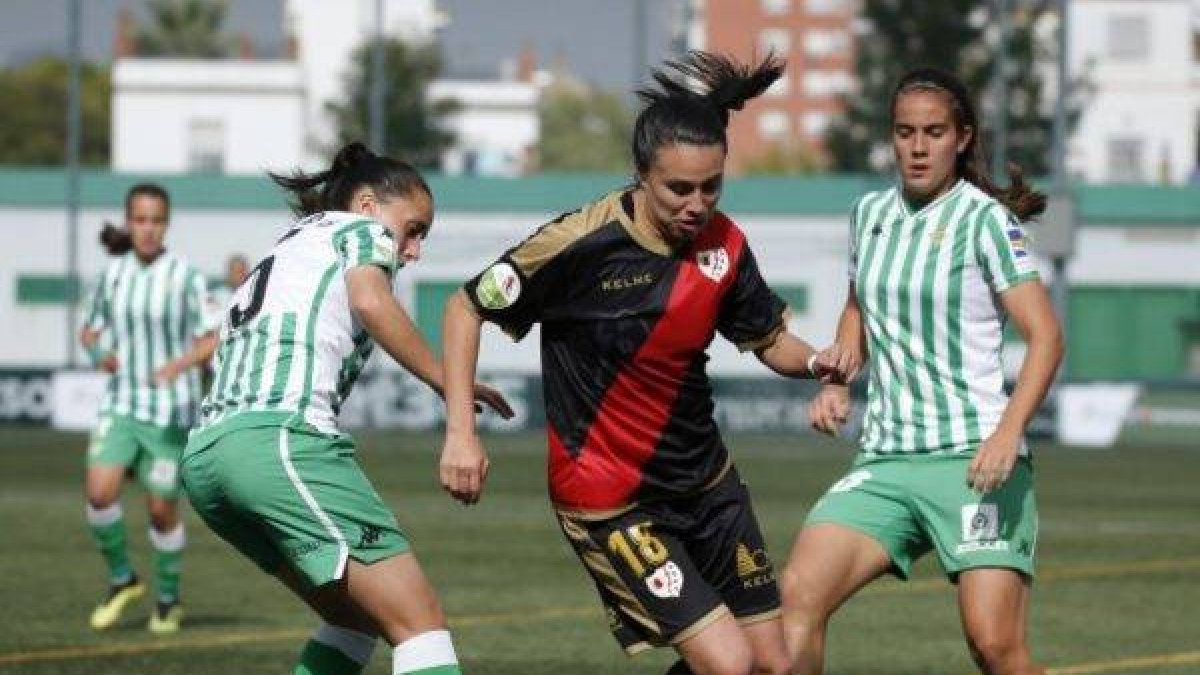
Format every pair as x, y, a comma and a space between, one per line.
119, 597
167, 618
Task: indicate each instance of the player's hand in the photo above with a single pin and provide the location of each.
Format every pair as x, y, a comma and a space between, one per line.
492, 398
830, 409
837, 364
464, 467
167, 374
993, 462
108, 364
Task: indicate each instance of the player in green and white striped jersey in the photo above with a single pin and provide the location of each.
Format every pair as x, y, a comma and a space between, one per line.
268, 468
937, 264
148, 326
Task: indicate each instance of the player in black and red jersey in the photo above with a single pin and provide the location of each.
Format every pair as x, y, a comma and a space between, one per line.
630, 290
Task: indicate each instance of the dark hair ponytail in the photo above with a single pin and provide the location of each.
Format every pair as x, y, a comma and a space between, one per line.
353, 167
675, 113
1022, 200
117, 240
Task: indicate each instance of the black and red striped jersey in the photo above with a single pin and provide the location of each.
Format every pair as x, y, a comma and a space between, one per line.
626, 322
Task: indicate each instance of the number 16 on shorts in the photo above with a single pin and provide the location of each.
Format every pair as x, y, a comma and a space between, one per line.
640, 550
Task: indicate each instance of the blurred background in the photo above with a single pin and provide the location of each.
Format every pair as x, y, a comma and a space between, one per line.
518, 110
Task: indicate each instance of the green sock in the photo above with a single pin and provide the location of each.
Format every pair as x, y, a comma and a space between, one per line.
168, 556
108, 530
321, 659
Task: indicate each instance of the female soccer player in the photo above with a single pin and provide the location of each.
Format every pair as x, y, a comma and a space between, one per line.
936, 263
269, 470
629, 291
148, 327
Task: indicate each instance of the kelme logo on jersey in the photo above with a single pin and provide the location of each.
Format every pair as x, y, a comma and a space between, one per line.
499, 287
666, 581
713, 263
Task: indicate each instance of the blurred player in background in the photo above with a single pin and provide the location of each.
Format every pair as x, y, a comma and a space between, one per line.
936, 264
147, 326
629, 291
269, 470
237, 268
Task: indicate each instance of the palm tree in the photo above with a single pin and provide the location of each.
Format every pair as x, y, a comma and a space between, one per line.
189, 28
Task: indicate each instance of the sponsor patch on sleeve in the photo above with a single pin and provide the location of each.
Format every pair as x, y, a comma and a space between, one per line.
499, 287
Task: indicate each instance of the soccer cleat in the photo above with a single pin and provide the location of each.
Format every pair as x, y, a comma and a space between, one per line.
119, 597
166, 618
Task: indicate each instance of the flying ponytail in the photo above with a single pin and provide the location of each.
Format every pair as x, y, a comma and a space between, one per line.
676, 113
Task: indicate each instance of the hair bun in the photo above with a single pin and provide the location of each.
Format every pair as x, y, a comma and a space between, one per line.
351, 155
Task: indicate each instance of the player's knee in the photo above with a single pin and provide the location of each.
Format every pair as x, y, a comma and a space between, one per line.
997, 652
803, 606
163, 516
772, 664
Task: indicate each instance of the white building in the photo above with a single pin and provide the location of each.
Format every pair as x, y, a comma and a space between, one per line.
1142, 122
495, 127
185, 115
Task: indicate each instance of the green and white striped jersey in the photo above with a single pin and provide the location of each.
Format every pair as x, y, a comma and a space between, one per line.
928, 284
149, 315
290, 348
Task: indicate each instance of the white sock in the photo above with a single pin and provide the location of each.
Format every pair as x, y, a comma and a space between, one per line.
427, 650
104, 516
172, 540
357, 646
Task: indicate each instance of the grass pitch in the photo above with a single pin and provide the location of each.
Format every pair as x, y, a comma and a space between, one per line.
1118, 589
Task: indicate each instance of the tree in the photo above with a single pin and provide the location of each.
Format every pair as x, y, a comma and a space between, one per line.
583, 130
33, 119
960, 36
414, 127
186, 28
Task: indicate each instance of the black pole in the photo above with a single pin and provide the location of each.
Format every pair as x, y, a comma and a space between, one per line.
378, 132
72, 155
1000, 91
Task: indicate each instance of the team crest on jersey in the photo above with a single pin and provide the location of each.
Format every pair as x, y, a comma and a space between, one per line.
713, 263
499, 287
666, 581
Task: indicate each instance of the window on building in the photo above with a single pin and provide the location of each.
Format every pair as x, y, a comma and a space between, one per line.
206, 146
1128, 37
775, 41
773, 125
825, 6
775, 7
815, 123
818, 43
1125, 156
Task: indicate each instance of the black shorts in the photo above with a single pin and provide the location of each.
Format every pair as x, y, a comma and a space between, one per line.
667, 570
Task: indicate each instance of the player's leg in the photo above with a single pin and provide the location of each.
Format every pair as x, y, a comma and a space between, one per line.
111, 451
158, 471
721, 648
858, 531
986, 543
993, 603
345, 640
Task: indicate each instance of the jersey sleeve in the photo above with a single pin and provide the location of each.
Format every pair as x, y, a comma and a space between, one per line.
201, 318
1002, 251
751, 314
513, 291
366, 242
98, 307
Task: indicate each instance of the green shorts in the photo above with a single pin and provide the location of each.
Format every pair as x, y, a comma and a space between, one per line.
913, 504
150, 451
281, 496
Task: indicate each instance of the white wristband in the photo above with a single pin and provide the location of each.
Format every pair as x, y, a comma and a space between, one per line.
812, 363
